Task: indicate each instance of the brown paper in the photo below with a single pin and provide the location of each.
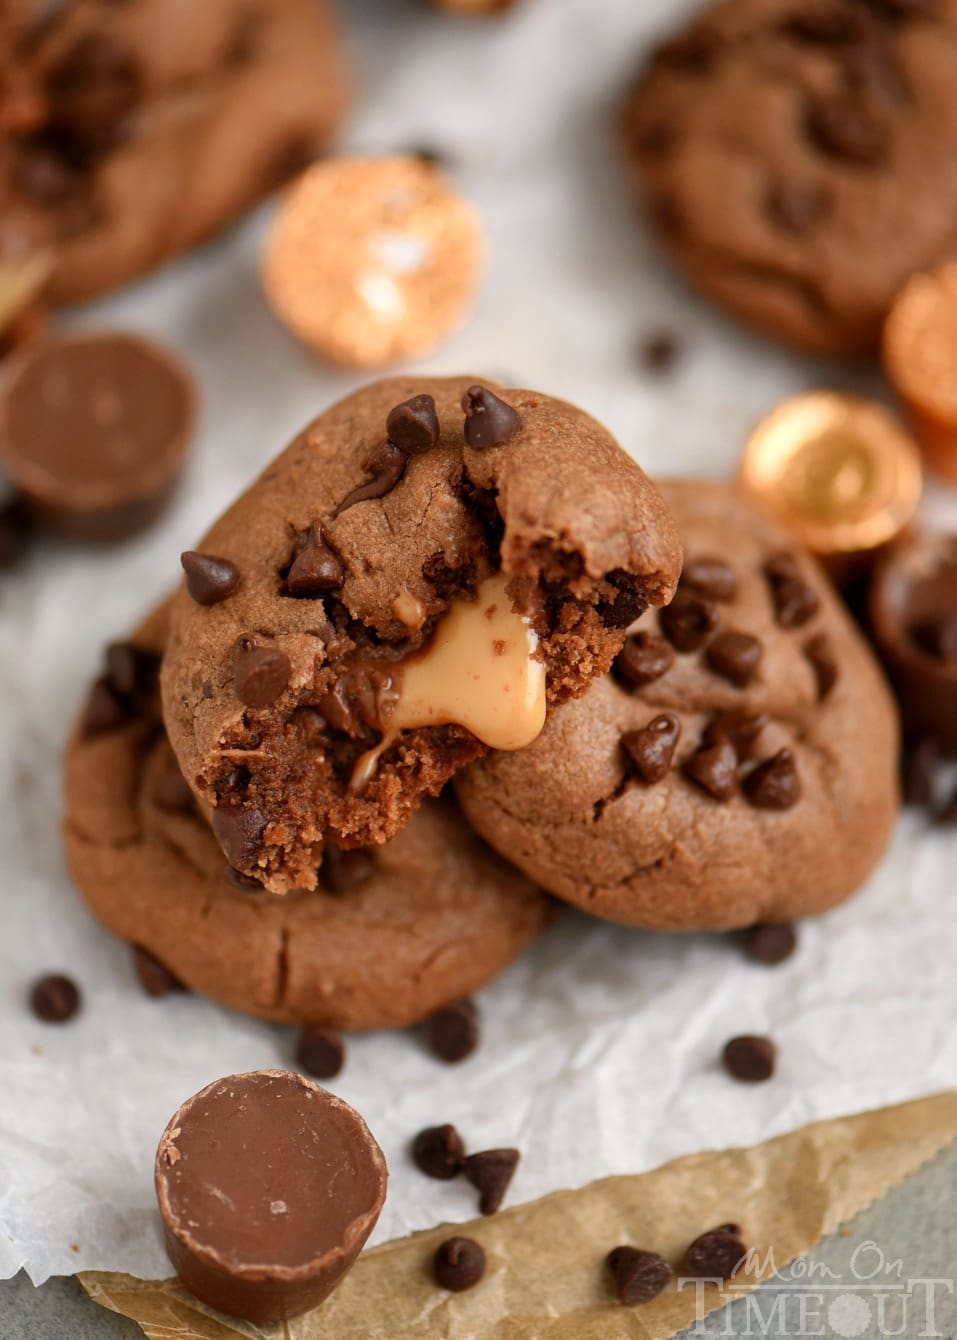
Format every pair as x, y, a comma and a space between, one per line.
544, 1273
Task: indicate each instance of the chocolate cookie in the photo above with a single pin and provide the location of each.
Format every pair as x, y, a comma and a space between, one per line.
388, 937
799, 158
130, 132
737, 766
428, 565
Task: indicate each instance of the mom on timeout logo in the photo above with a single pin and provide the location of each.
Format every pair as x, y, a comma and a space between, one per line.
873, 1297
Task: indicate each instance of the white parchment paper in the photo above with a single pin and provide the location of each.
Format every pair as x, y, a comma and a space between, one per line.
599, 1047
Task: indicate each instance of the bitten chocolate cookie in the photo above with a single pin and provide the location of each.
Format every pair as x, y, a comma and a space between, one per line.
799, 158
130, 132
389, 937
738, 765
428, 565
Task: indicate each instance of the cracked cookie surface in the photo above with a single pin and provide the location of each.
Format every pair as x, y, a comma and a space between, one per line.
737, 766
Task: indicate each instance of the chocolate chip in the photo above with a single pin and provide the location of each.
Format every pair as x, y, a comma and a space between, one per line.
749, 1058
843, 128
774, 784
742, 729
716, 1254
490, 1172
385, 468
638, 1275
937, 636
643, 659
91, 91
260, 674
489, 422
918, 766
452, 1034
688, 621
208, 579
623, 609
414, 425
710, 577
343, 871
795, 602
458, 1264
660, 351
55, 999
131, 670
714, 767
239, 831
819, 651
242, 883
105, 710
771, 943
650, 750
172, 794
316, 569
154, 977
796, 208
15, 528
439, 1152
320, 1053
735, 657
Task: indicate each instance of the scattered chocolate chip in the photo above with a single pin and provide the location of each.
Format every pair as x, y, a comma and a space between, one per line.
239, 832
385, 468
650, 750
458, 1264
714, 767
130, 670
342, 871
490, 1172
15, 530
260, 674
918, 767
688, 621
742, 729
843, 128
320, 1053
660, 352
716, 1254
452, 1034
55, 999
638, 1275
154, 977
774, 784
105, 710
414, 425
749, 1058
643, 659
735, 657
711, 577
489, 422
208, 579
171, 793
439, 1152
242, 883
795, 602
316, 569
796, 208
937, 637
819, 651
771, 943
91, 92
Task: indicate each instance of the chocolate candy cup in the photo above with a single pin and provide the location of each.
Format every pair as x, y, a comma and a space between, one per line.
94, 430
268, 1187
915, 585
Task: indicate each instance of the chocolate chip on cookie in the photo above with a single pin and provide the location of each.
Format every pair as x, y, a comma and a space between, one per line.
342, 871
154, 977
209, 579
735, 657
385, 467
774, 784
260, 674
821, 656
711, 577
650, 751
688, 621
714, 767
795, 601
644, 658
414, 425
489, 421
742, 728
316, 569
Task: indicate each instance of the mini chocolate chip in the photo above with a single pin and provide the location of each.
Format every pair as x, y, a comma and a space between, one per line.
735, 657
15, 528
714, 767
795, 602
260, 674
242, 883
439, 1152
105, 710
385, 468
489, 422
650, 750
154, 977
638, 1275
749, 1058
643, 659
452, 1034
772, 943
819, 651
458, 1264
342, 871
320, 1053
316, 569
843, 128
660, 351
172, 794
937, 637
742, 729
795, 207
55, 999
774, 784
716, 1254
918, 766
209, 579
711, 577
490, 1172
688, 621
414, 425
239, 831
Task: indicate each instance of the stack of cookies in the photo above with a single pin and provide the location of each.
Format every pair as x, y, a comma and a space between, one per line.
451, 615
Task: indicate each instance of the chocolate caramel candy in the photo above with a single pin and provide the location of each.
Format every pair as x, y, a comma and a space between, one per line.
268, 1187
